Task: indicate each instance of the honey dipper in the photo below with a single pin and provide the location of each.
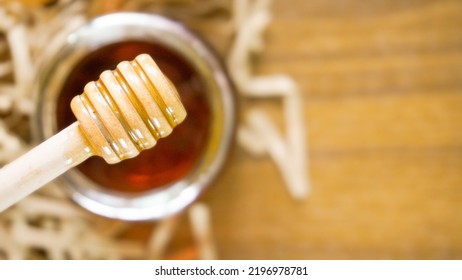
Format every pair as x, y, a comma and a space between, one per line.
126, 111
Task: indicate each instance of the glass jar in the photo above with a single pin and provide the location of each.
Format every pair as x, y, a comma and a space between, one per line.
166, 179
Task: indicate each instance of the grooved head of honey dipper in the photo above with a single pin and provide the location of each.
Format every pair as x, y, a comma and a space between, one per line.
128, 109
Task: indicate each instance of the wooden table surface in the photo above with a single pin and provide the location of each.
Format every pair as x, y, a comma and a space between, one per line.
382, 92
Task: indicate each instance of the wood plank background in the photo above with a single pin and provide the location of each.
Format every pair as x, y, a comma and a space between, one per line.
382, 92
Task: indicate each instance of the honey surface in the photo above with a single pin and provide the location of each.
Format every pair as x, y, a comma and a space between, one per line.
173, 157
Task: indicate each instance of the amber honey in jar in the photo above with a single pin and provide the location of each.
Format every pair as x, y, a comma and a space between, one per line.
172, 157
167, 178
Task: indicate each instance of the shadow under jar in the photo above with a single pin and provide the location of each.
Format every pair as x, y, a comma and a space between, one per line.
167, 178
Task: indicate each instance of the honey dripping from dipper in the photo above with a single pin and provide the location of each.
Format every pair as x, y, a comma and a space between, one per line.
172, 158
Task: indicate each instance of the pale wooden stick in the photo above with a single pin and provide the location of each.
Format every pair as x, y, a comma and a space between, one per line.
118, 116
42, 164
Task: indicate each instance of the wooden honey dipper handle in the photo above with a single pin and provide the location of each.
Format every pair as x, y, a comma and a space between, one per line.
126, 111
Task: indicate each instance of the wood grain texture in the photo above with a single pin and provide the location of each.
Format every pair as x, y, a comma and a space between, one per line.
382, 92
